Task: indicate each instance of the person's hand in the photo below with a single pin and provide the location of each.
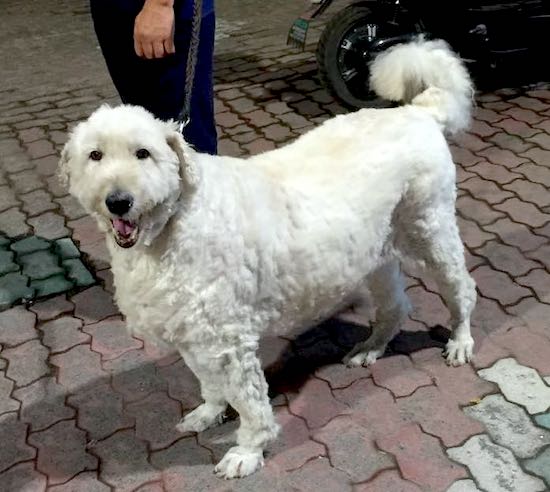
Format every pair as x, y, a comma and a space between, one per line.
154, 29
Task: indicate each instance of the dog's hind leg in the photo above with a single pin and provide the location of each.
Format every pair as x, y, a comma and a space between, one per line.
434, 239
211, 412
392, 306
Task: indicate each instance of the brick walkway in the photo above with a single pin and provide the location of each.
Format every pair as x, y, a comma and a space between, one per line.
86, 407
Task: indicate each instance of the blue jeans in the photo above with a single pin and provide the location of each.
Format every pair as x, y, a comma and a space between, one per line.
159, 84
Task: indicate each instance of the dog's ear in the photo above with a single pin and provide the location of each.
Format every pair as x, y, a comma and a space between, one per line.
188, 171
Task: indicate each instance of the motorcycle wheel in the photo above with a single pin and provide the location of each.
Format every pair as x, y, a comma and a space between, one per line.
344, 54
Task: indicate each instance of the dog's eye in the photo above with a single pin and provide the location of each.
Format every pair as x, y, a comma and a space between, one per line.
142, 153
96, 155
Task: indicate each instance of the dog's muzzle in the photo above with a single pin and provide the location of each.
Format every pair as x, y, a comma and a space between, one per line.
125, 231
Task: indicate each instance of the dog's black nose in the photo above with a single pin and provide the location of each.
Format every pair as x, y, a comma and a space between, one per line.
119, 202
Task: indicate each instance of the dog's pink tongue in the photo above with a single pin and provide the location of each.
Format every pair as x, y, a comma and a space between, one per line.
123, 227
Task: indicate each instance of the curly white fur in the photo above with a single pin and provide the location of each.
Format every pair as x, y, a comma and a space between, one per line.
229, 248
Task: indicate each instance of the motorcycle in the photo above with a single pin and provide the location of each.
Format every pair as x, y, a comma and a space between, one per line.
490, 34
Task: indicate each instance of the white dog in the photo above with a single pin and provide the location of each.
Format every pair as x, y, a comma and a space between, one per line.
209, 252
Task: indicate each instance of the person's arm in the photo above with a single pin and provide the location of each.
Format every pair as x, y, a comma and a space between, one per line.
154, 29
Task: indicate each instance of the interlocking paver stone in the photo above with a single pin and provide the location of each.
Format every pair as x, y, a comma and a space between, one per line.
13, 287
40, 265
12, 223
351, 449
543, 420
78, 367
23, 478
27, 362
494, 467
398, 375
509, 425
498, 286
506, 258
7, 198
51, 308
94, 304
66, 249
156, 417
43, 403
516, 234
533, 314
17, 326
293, 447
527, 347
460, 385
37, 202
534, 173
70, 207
530, 192
51, 285
540, 465
124, 460
30, 245
316, 404
182, 384
438, 415
49, 225
78, 273
519, 384
25, 181
420, 458
185, 466
523, 212
62, 451
134, 375
63, 333
7, 264
100, 410
111, 338
14, 432
7, 403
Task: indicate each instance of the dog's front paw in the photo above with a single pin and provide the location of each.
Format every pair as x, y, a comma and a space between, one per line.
239, 462
458, 352
365, 358
203, 417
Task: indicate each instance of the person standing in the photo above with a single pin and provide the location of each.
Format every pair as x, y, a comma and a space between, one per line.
145, 44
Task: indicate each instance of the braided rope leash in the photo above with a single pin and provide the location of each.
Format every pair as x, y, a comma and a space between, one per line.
185, 114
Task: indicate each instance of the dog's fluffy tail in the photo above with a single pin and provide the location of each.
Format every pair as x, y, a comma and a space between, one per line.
426, 74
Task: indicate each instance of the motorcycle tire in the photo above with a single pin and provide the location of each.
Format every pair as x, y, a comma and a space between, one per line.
331, 57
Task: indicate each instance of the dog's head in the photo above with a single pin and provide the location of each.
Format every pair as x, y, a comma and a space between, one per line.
128, 169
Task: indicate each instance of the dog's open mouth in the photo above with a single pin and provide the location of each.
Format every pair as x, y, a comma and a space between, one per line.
125, 232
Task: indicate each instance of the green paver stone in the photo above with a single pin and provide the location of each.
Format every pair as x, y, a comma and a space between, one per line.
30, 245
4, 242
540, 465
66, 249
7, 264
77, 271
51, 285
543, 420
40, 265
13, 287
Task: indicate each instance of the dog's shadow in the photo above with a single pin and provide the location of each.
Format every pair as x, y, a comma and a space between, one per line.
329, 342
